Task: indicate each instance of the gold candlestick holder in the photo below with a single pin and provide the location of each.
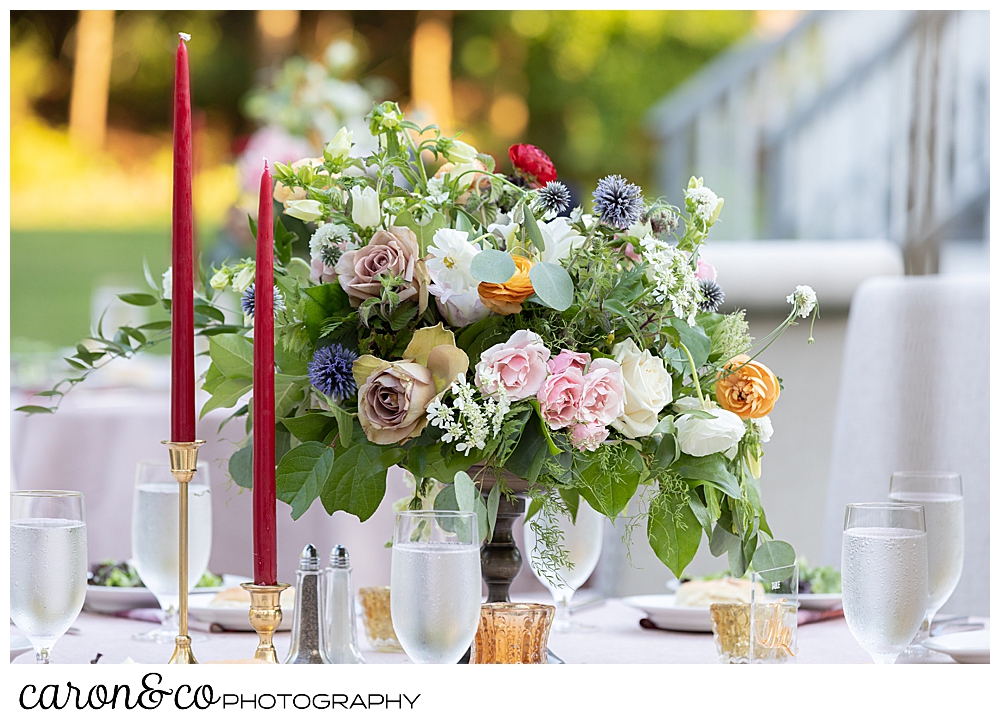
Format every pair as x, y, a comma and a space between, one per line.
183, 465
265, 617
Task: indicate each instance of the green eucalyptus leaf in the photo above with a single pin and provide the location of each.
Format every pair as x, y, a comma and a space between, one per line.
424, 232
773, 560
465, 492
552, 284
492, 266
696, 341
492, 506
241, 465
571, 497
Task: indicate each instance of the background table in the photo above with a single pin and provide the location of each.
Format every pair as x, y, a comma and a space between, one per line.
617, 640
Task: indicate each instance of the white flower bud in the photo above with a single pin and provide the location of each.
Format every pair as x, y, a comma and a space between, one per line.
365, 211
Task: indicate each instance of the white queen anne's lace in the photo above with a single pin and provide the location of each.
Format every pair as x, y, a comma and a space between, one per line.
705, 201
674, 277
468, 422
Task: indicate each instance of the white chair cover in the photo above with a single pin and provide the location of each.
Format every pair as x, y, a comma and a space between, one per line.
914, 395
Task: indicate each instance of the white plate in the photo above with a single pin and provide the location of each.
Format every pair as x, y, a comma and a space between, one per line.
112, 599
19, 645
233, 618
967, 647
821, 601
662, 610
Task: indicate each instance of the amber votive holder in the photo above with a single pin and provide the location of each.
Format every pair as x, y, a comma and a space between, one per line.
731, 631
513, 633
376, 614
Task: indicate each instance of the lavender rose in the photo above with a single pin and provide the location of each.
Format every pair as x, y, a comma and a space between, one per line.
395, 251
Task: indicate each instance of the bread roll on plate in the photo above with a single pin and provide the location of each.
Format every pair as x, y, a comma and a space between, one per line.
237, 597
720, 590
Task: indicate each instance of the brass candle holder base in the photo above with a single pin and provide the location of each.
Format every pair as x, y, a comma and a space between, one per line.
265, 617
183, 466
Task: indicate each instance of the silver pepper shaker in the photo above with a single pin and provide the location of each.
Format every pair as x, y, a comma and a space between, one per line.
341, 634
307, 638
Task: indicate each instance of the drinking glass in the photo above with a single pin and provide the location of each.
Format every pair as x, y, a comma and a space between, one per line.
582, 542
48, 564
940, 493
884, 574
436, 584
774, 610
155, 519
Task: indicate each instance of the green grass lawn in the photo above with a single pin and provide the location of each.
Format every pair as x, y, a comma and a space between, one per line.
53, 274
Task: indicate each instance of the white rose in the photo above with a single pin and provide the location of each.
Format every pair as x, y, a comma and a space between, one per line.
560, 239
305, 209
701, 436
764, 428
365, 211
648, 389
340, 147
219, 280
244, 279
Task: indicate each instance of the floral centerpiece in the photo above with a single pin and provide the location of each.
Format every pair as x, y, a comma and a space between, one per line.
462, 319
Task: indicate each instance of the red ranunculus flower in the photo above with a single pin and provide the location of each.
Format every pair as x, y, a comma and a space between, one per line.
533, 163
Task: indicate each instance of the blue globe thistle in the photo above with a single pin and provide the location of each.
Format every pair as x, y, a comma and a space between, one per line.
331, 371
554, 197
712, 296
618, 202
249, 298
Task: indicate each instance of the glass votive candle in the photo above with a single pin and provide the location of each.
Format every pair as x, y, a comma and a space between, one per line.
513, 633
731, 631
373, 602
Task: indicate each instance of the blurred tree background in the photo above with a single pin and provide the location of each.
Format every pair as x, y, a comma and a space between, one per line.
91, 110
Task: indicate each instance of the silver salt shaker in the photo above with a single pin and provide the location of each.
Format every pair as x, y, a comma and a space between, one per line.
307, 637
341, 631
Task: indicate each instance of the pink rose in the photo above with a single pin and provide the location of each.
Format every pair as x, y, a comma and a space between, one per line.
517, 366
603, 393
395, 250
566, 359
705, 271
631, 253
560, 397
588, 436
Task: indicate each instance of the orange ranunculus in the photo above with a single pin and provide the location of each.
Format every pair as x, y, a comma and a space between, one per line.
747, 388
506, 298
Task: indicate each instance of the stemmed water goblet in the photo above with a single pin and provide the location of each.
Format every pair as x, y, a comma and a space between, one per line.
48, 564
582, 541
884, 576
155, 554
940, 494
436, 584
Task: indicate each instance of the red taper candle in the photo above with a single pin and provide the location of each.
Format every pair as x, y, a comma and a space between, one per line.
265, 539
182, 420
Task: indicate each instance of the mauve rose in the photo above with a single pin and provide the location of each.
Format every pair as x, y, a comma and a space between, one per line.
588, 436
560, 397
392, 402
566, 359
533, 162
603, 393
517, 366
395, 250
